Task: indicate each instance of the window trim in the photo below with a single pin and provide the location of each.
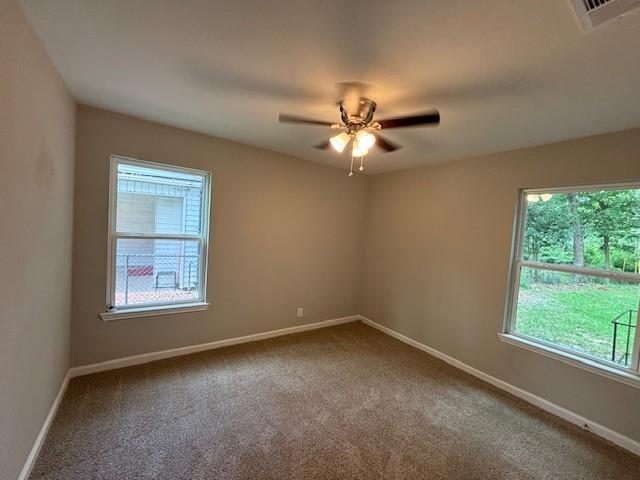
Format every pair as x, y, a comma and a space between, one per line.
170, 309
624, 376
132, 311
629, 375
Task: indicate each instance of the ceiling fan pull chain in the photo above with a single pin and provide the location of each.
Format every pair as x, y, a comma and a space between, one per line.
351, 169
361, 163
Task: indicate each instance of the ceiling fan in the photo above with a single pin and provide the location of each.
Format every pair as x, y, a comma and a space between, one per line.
359, 127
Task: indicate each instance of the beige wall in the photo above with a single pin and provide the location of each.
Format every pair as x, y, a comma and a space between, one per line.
288, 233
36, 187
284, 233
437, 257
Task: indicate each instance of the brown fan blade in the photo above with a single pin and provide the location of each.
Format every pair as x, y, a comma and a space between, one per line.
283, 118
386, 144
323, 145
431, 118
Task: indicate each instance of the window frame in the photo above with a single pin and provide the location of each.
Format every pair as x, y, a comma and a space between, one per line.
141, 310
628, 374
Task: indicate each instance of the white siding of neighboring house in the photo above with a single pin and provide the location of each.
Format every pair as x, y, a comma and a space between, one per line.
160, 208
169, 216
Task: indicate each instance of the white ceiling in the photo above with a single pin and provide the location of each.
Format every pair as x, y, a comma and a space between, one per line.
503, 73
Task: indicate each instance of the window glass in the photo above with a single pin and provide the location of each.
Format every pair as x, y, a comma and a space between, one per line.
156, 201
158, 244
586, 314
156, 271
578, 272
596, 229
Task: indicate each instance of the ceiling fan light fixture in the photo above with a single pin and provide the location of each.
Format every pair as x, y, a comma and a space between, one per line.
358, 151
340, 141
365, 140
539, 197
357, 123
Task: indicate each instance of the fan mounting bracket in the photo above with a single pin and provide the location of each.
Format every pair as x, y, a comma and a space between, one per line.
362, 118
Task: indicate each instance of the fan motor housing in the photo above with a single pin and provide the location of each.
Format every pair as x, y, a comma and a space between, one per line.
361, 118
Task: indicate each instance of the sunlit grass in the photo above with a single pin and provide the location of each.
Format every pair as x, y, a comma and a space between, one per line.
577, 316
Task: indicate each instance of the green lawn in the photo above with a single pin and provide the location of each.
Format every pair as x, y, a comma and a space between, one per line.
577, 316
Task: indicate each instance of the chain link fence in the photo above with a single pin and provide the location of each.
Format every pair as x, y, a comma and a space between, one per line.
154, 279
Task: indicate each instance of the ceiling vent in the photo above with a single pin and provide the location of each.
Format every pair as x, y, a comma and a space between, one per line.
593, 13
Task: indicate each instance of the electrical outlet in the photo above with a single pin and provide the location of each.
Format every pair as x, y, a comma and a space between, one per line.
300, 311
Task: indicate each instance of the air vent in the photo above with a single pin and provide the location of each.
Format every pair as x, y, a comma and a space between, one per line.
593, 4
593, 13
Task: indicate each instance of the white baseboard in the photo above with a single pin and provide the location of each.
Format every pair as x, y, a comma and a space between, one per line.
150, 357
600, 430
572, 417
176, 352
37, 445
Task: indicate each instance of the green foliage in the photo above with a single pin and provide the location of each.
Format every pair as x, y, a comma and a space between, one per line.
623, 259
592, 252
608, 223
547, 229
612, 213
593, 229
555, 254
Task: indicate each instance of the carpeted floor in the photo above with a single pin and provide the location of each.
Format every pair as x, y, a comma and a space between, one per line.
345, 402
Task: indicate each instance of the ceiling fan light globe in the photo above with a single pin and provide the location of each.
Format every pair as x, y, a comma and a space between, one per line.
358, 151
340, 141
365, 140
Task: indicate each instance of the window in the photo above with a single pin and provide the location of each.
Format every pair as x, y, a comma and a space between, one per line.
576, 275
158, 228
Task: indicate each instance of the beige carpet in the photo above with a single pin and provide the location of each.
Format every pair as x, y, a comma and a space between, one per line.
345, 402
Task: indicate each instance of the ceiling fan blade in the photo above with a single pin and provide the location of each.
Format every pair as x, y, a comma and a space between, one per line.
323, 145
283, 118
431, 118
386, 144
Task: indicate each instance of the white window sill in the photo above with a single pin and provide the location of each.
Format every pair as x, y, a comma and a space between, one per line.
627, 377
153, 311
